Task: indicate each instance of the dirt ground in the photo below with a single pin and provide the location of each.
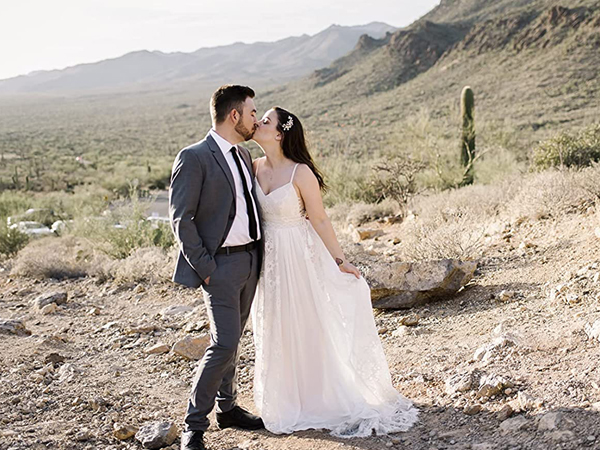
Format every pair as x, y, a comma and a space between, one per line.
103, 375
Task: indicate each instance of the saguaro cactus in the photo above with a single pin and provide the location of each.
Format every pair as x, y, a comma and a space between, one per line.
467, 144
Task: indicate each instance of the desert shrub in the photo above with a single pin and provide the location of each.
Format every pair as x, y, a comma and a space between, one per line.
150, 264
11, 240
568, 150
51, 257
122, 230
395, 179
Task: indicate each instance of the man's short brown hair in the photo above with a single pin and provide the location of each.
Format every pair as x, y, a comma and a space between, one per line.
227, 98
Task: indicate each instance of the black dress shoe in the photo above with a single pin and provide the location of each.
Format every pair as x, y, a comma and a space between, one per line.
240, 418
192, 440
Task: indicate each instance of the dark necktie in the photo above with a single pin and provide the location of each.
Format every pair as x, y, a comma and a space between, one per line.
247, 196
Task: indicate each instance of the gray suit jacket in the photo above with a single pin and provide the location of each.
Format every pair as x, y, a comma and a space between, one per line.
202, 208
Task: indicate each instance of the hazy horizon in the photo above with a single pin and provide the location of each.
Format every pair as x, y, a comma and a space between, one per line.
67, 33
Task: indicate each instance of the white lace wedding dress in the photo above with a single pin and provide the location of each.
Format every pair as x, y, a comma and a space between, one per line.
319, 361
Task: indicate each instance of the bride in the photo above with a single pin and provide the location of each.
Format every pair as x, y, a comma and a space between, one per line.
319, 361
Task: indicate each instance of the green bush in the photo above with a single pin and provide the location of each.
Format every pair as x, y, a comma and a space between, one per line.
11, 240
119, 232
567, 150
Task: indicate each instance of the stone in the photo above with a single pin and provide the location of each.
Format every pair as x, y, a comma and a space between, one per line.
565, 435
361, 234
54, 358
142, 328
526, 401
158, 349
550, 421
471, 410
401, 285
66, 373
593, 331
156, 435
191, 348
400, 331
505, 412
123, 432
462, 382
492, 385
410, 321
176, 310
49, 309
10, 326
505, 296
196, 325
513, 424
489, 351
45, 299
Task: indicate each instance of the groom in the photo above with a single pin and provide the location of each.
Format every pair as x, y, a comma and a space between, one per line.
216, 221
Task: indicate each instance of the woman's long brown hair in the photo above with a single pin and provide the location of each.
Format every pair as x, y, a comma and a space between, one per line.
294, 143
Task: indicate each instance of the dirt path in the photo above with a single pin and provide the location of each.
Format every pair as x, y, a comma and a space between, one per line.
105, 375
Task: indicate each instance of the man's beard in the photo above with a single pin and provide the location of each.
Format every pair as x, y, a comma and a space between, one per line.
243, 131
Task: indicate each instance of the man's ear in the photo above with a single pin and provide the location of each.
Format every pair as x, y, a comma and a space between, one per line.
234, 115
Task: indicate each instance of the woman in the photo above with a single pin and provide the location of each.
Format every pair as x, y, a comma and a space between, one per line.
319, 361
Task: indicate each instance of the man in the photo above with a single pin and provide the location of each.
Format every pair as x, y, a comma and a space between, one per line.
215, 219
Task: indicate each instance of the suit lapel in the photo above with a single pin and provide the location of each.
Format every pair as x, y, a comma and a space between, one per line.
218, 154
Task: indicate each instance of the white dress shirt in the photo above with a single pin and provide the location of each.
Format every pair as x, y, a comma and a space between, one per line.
239, 233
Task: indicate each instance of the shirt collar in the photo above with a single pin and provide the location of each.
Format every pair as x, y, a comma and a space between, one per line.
223, 143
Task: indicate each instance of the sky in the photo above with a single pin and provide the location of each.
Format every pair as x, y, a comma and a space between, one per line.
45, 35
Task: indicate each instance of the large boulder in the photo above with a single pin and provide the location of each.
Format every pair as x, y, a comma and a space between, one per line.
406, 284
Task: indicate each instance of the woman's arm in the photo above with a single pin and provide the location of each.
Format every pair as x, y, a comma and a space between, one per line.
313, 203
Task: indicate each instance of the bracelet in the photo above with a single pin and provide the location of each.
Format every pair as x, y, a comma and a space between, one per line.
339, 261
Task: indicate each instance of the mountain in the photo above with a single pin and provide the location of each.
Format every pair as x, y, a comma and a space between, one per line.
260, 63
533, 66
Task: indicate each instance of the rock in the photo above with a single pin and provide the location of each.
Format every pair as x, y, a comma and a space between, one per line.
94, 311
157, 435
505, 413
124, 432
492, 385
83, 435
471, 410
176, 310
505, 296
142, 328
526, 401
513, 424
562, 435
66, 373
489, 351
195, 325
192, 348
400, 331
54, 359
593, 331
360, 234
404, 285
49, 309
10, 326
158, 349
550, 421
410, 321
462, 382
45, 299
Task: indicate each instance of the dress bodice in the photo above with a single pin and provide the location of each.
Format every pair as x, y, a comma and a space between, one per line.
282, 206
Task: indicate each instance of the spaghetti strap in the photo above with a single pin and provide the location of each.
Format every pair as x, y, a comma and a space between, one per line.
294, 172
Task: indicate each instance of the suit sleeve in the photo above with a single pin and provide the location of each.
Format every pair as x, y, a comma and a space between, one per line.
184, 195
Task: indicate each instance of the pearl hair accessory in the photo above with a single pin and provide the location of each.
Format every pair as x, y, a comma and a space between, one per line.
288, 125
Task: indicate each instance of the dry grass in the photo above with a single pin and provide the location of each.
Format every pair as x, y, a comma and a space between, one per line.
72, 257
